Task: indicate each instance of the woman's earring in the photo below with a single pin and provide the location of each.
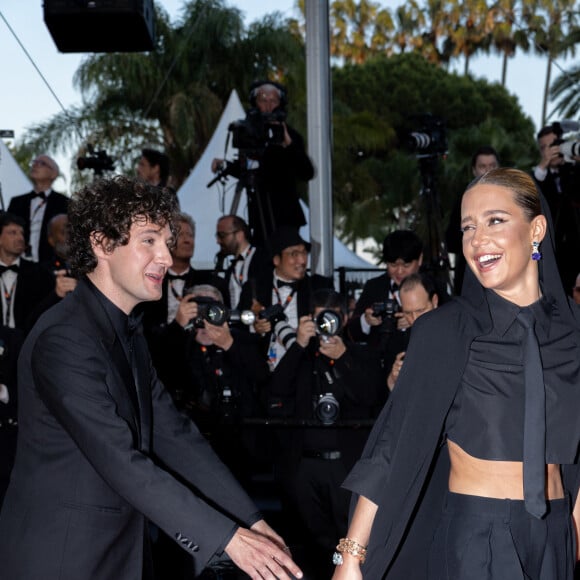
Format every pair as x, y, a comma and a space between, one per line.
536, 254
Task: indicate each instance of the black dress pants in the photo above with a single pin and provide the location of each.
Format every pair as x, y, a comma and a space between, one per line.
482, 538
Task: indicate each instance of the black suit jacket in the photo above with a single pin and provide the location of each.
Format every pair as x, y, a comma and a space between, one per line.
33, 285
56, 203
260, 263
100, 452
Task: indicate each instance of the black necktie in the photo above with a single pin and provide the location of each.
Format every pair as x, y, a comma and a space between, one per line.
394, 287
40, 194
534, 421
177, 276
13, 267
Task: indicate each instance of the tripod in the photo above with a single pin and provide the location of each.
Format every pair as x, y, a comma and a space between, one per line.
437, 258
260, 213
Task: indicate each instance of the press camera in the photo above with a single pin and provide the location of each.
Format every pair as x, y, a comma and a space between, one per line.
217, 313
431, 137
568, 135
328, 323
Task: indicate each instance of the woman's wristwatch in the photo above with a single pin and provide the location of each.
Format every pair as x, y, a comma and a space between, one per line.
348, 546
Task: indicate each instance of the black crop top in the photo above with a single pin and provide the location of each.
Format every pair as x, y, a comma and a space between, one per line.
487, 416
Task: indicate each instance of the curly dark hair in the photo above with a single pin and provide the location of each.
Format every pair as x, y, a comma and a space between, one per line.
108, 208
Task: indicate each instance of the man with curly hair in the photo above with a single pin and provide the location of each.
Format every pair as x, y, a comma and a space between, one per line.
102, 450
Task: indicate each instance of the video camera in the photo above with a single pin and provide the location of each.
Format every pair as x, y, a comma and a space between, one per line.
567, 138
431, 138
99, 161
258, 130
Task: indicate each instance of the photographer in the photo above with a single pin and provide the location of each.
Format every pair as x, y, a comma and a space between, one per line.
317, 387
418, 296
558, 178
271, 161
39, 206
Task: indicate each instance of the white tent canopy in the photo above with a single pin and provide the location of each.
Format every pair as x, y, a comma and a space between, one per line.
13, 181
207, 205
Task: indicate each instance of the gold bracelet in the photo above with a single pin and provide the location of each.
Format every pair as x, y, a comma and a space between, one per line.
353, 548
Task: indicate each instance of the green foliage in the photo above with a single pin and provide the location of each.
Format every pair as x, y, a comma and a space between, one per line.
377, 181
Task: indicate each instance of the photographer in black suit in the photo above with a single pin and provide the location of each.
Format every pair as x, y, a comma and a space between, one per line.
38, 207
271, 161
317, 387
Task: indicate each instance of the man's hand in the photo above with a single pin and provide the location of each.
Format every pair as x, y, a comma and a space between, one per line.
372, 320
305, 331
333, 347
64, 283
186, 310
549, 153
402, 321
219, 335
287, 139
217, 164
395, 370
261, 554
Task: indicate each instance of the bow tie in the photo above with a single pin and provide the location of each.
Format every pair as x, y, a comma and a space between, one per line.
394, 287
280, 283
40, 194
13, 267
177, 276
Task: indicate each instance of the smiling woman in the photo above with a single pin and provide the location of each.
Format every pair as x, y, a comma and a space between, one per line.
484, 410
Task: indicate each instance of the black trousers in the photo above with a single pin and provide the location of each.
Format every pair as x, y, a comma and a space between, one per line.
482, 538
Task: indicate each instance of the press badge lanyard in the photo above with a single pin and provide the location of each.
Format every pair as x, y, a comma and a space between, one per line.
239, 278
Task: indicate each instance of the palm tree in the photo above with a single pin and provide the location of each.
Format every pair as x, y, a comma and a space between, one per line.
359, 29
551, 21
507, 34
566, 87
173, 95
410, 19
471, 23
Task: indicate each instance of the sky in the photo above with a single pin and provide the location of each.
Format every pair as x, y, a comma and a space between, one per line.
26, 100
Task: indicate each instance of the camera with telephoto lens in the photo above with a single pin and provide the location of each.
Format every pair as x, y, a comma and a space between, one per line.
431, 138
98, 161
568, 135
328, 323
273, 314
386, 309
326, 408
217, 313
258, 130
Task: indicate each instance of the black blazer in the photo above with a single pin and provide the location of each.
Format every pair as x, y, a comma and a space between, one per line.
33, 285
101, 452
56, 203
260, 264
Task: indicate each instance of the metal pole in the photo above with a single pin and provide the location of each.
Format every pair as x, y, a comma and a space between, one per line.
319, 135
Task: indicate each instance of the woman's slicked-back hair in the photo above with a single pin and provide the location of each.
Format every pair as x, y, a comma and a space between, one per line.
526, 193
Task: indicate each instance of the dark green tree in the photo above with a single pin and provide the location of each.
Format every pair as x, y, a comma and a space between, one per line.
377, 179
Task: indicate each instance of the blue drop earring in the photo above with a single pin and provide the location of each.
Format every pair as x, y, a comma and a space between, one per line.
536, 254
